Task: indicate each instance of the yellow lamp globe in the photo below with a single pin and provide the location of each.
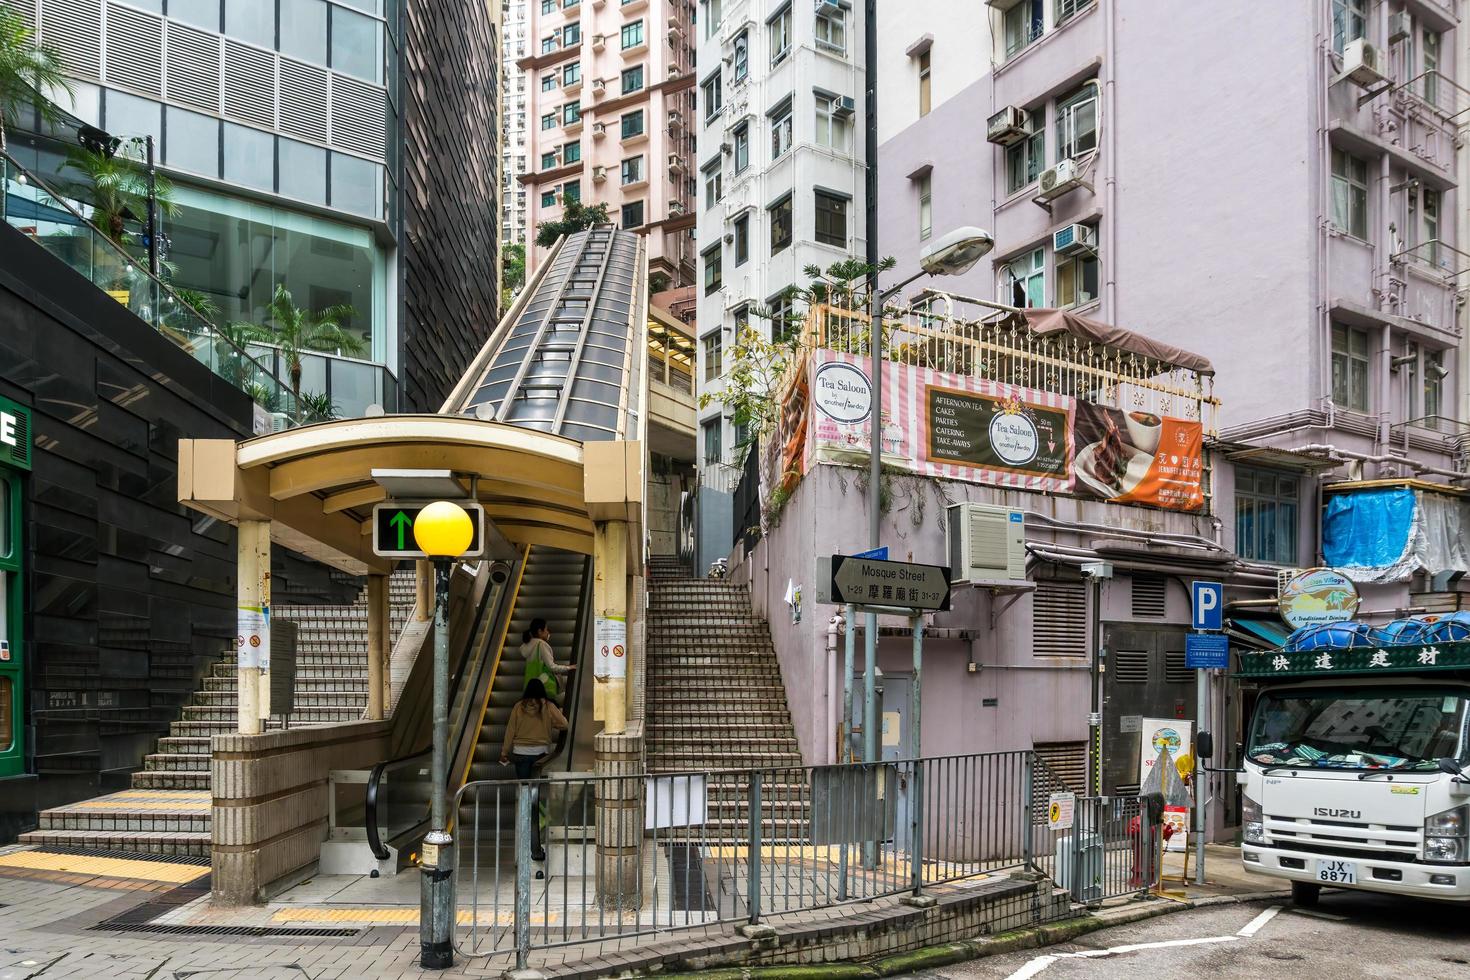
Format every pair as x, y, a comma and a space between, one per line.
443, 530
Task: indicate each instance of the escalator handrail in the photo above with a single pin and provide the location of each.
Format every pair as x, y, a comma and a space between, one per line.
567, 738
375, 778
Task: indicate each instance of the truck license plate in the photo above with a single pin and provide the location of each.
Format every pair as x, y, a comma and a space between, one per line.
1337, 872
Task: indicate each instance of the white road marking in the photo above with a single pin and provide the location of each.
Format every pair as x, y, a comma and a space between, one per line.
1321, 915
1034, 967
1254, 926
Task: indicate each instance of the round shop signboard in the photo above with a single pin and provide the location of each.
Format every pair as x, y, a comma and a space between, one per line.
1317, 596
843, 393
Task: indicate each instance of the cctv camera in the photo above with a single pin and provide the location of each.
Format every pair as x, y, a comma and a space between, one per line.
499, 573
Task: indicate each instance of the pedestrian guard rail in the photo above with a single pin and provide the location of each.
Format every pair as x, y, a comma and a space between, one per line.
577, 857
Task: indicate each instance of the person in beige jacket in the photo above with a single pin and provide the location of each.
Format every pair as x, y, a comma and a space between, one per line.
534, 721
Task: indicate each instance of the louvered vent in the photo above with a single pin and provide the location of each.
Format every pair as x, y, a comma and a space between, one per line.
74, 29
250, 84
20, 453
1129, 666
1062, 769
359, 116
134, 49
304, 100
25, 10
1059, 619
1148, 595
192, 69
1174, 670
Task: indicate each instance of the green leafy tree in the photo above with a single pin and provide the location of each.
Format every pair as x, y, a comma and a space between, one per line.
27, 70
575, 217
116, 186
512, 273
316, 406
295, 331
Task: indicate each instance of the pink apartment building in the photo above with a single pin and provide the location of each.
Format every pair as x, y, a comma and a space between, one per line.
610, 116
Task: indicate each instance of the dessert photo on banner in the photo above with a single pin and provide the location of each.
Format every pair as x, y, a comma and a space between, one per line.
1138, 457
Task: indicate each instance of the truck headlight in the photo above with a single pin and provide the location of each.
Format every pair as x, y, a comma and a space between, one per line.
1254, 828
1450, 823
1444, 848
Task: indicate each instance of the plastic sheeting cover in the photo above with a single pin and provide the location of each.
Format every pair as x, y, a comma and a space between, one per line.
1377, 536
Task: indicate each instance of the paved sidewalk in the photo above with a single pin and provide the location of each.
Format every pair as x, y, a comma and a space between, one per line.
92, 922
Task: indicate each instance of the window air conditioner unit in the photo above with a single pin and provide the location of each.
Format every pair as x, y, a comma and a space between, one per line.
1007, 126
829, 8
676, 207
729, 236
598, 86
280, 421
674, 34
598, 41
726, 149
843, 105
599, 173
1362, 62
599, 130
1074, 238
987, 544
676, 166
676, 118
1400, 26
1058, 180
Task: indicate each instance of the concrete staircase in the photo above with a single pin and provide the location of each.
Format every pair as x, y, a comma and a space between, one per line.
167, 811
715, 697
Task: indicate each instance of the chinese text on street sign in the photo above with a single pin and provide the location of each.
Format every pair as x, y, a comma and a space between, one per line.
887, 584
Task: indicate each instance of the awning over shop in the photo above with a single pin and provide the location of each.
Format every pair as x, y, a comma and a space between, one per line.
1379, 533
1260, 633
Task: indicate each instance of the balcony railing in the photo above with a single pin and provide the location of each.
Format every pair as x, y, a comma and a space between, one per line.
999, 346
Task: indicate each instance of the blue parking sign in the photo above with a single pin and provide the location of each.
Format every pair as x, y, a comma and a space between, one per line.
1208, 602
1206, 651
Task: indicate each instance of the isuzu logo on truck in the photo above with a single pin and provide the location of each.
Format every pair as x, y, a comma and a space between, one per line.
1322, 811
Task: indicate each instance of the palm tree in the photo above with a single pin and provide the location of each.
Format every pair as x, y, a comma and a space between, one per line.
27, 71
295, 330
117, 189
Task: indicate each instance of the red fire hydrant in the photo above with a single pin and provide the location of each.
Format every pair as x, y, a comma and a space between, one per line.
1143, 851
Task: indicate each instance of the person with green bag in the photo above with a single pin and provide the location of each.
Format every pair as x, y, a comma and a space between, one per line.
541, 661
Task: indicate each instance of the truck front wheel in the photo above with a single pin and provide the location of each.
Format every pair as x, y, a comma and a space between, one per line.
1305, 894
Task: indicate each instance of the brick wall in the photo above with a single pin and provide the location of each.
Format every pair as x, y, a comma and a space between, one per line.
450, 295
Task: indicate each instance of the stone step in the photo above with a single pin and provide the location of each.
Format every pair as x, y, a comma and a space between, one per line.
662, 724
299, 718
176, 762
164, 779
79, 817
309, 698
135, 841
678, 738
184, 745
357, 686
201, 729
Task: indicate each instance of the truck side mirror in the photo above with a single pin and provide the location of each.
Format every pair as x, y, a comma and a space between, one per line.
1450, 767
1204, 747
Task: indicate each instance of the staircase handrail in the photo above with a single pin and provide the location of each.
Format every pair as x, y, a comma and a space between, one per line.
209, 329
375, 780
580, 633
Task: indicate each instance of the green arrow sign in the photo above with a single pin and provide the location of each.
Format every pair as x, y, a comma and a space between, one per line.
402, 523
393, 529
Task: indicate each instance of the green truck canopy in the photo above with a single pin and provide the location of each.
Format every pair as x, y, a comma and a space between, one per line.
1418, 658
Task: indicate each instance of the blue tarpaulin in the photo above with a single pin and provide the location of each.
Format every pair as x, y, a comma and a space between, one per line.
1388, 534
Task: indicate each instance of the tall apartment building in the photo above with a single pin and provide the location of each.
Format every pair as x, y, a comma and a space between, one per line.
344, 150
513, 122
610, 110
780, 178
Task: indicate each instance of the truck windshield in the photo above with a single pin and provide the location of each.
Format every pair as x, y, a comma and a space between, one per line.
1403, 729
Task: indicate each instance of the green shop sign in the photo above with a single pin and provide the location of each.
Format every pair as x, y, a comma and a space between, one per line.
1415, 659
15, 435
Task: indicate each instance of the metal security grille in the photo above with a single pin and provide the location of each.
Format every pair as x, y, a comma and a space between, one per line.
1059, 619
1148, 595
191, 72
566, 366
1130, 666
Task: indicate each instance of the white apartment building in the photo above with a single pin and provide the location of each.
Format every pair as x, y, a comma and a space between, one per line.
513, 122
780, 169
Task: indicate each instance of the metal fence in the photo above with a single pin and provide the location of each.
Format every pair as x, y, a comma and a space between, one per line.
563, 860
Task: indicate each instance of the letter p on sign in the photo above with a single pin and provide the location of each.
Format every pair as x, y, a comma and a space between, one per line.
1208, 601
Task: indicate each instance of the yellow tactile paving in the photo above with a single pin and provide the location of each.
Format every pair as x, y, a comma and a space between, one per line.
104, 866
397, 916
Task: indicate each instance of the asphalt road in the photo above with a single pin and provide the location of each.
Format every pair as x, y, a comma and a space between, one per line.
1348, 936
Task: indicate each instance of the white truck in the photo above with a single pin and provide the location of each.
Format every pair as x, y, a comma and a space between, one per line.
1353, 770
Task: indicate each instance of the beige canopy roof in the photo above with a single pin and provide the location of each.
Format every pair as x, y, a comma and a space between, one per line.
1046, 322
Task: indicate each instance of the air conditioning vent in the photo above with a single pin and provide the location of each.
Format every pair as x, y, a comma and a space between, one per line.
134, 49
599, 173
1062, 769
1065, 176
1362, 62
1059, 619
1129, 666
1400, 26
987, 543
359, 116
1074, 238
304, 101
250, 84
1175, 671
828, 8
73, 28
191, 73
843, 106
280, 421
1007, 126
1149, 594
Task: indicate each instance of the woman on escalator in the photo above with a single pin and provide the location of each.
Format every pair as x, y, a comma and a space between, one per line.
533, 723
541, 663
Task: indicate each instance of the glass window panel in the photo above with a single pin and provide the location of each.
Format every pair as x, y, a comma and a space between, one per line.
371, 6
253, 21
200, 13
355, 185
250, 157
303, 171
129, 116
304, 30
354, 387
192, 143
357, 46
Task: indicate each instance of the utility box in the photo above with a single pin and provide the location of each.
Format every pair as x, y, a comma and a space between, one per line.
1080, 866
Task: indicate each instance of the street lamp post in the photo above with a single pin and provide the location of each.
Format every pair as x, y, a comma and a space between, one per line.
950, 255
443, 531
